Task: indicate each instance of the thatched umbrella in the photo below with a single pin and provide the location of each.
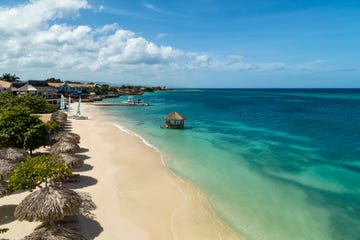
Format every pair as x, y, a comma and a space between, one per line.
54, 234
58, 114
6, 167
71, 160
47, 205
64, 147
13, 154
59, 117
72, 137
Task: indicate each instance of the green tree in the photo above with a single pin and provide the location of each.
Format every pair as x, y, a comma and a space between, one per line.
52, 127
18, 128
102, 89
7, 101
3, 230
35, 137
14, 123
53, 80
76, 82
36, 103
35, 171
10, 78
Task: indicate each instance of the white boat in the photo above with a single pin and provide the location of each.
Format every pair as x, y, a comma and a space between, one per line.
134, 102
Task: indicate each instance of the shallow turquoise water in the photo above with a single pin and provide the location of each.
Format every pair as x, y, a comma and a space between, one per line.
275, 164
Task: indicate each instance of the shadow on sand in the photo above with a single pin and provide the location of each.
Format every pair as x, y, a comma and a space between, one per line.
84, 181
91, 228
84, 168
82, 157
7, 213
83, 150
86, 217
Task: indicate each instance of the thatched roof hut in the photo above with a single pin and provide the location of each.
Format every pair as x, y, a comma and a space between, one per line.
64, 147
54, 234
71, 160
72, 137
59, 117
47, 205
174, 120
13, 154
6, 168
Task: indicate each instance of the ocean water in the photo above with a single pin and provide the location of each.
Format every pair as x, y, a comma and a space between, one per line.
275, 164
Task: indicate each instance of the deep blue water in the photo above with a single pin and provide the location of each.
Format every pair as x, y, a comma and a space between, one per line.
275, 164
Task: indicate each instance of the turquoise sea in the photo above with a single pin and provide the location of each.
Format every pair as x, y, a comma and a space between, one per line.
275, 164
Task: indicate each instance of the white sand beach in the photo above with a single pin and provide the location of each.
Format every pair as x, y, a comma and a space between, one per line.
136, 196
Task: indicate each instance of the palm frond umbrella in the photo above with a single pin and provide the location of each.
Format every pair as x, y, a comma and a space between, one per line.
68, 138
64, 147
71, 160
59, 117
47, 205
55, 234
58, 114
13, 154
73, 137
6, 167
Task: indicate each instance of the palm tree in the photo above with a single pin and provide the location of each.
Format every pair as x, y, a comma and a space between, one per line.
10, 78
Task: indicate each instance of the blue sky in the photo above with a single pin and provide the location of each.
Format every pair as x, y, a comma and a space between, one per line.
200, 43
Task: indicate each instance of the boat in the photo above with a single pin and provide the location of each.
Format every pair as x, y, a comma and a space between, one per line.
134, 102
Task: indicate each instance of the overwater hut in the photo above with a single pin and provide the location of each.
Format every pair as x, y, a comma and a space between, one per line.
174, 120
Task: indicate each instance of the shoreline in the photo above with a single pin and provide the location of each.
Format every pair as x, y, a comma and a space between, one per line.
182, 208
136, 195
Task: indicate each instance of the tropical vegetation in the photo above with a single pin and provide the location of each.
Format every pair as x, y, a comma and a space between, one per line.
38, 171
9, 77
21, 128
33, 103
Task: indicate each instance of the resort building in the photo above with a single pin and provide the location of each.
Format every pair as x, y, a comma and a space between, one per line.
34, 87
174, 120
4, 85
71, 88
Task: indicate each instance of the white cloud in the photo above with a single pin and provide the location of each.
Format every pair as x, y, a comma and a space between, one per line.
35, 14
31, 41
150, 7
161, 35
36, 39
